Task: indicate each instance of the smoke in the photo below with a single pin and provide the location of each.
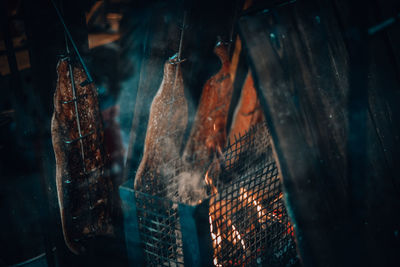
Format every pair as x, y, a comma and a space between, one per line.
191, 187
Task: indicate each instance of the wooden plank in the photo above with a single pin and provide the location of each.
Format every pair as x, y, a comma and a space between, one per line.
380, 90
386, 11
312, 80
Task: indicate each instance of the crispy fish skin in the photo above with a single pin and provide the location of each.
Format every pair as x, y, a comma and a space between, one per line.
208, 132
84, 188
165, 132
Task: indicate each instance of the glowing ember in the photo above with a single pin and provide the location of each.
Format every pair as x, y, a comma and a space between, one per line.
216, 241
210, 183
244, 196
216, 237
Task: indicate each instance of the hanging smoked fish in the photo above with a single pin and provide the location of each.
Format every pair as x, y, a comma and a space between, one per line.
208, 131
166, 129
248, 118
84, 188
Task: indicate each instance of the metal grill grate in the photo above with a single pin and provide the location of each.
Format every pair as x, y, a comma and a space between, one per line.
246, 219
159, 229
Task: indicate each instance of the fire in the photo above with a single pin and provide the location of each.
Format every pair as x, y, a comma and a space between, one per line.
250, 199
216, 238
222, 228
236, 234
209, 182
219, 219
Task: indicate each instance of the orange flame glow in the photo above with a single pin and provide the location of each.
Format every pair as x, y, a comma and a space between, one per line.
215, 216
222, 227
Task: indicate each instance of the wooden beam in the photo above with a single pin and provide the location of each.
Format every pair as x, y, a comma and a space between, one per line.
312, 76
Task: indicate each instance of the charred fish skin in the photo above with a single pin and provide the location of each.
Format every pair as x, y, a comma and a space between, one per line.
84, 187
208, 132
165, 132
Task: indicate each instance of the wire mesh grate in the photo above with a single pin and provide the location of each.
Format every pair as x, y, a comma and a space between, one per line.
159, 229
248, 222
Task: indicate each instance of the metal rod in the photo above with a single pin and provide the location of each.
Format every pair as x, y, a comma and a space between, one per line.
176, 58
88, 80
71, 74
383, 25
74, 98
181, 38
88, 76
235, 12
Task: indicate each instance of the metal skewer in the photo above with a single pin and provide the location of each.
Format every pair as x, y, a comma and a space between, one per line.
88, 76
176, 59
74, 100
71, 75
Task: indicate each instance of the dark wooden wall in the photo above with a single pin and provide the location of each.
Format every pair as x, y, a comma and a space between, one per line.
331, 94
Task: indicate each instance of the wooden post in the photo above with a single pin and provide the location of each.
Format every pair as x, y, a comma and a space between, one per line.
324, 96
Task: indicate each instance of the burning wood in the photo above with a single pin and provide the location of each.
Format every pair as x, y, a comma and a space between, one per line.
84, 187
226, 236
247, 200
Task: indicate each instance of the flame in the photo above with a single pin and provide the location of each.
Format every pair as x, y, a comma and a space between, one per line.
236, 234
216, 238
250, 199
216, 208
209, 182
218, 214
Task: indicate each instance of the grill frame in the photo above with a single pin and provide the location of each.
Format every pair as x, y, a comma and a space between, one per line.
195, 235
163, 232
